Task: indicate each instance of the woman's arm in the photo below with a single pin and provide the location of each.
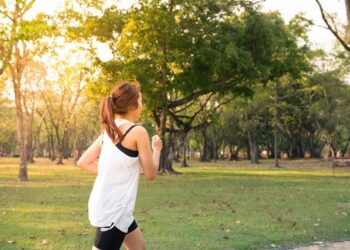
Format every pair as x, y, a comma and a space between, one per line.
149, 161
88, 160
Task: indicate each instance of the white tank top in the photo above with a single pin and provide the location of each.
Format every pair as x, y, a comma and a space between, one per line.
113, 196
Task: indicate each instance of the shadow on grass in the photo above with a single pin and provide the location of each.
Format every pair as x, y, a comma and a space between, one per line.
266, 173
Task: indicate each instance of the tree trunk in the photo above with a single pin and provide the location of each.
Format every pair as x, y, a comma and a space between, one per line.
204, 154
254, 152
294, 147
60, 155
300, 149
347, 5
176, 157
331, 151
30, 147
253, 147
233, 153
189, 150
230, 149
275, 151
76, 151
36, 138
23, 172
51, 144
16, 70
50, 147
313, 145
214, 148
236, 152
49, 135
166, 156
30, 150
184, 153
247, 155
184, 158
36, 144
60, 144
67, 151
345, 149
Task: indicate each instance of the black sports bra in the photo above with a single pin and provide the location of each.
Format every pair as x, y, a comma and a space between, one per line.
129, 152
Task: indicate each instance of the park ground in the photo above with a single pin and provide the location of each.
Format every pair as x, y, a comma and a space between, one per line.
222, 205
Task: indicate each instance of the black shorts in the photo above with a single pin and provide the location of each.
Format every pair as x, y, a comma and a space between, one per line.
113, 238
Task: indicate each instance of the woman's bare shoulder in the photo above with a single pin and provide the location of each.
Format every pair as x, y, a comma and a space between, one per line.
139, 129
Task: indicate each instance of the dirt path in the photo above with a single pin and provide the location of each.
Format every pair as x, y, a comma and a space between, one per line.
345, 245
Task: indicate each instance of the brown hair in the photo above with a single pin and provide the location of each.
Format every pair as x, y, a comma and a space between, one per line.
123, 96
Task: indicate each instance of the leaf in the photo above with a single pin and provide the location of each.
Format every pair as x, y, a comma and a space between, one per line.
62, 231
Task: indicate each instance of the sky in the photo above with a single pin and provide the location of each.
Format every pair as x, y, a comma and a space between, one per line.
319, 37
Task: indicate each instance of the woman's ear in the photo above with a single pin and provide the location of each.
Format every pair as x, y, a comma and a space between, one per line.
132, 108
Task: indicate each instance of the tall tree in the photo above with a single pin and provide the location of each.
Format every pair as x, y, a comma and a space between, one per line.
34, 75
187, 49
61, 97
15, 56
18, 38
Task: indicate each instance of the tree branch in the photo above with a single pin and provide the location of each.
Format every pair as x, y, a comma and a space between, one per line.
334, 32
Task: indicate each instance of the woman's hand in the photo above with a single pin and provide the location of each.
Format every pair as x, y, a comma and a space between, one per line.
157, 143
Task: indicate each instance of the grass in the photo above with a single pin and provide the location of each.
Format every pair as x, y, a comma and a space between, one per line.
223, 205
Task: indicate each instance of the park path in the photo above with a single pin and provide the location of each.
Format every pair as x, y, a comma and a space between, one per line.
345, 245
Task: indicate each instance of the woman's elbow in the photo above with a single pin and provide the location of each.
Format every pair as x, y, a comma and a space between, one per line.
151, 176
80, 164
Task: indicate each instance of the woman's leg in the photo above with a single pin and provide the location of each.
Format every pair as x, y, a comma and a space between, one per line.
134, 240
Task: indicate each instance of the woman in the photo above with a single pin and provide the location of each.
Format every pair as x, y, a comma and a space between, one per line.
123, 150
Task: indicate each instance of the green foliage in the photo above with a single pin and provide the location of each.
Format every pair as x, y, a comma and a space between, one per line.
189, 47
35, 29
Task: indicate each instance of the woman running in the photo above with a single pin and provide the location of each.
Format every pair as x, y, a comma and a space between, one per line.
122, 150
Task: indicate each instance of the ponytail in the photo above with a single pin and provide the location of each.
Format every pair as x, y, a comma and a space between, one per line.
107, 119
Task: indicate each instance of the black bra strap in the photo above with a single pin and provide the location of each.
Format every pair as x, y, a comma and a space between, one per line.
127, 131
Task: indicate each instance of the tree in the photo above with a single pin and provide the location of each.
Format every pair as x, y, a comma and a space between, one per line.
333, 101
33, 76
233, 133
61, 97
17, 49
188, 50
14, 56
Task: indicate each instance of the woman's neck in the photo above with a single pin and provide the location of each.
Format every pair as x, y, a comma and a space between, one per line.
125, 117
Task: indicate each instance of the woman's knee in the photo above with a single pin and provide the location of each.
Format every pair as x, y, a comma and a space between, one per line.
134, 241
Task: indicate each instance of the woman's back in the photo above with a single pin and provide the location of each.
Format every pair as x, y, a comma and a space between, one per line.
113, 197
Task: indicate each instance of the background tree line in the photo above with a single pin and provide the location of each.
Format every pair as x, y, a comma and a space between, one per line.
221, 78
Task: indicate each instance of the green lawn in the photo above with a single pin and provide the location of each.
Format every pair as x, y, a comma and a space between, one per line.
210, 206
